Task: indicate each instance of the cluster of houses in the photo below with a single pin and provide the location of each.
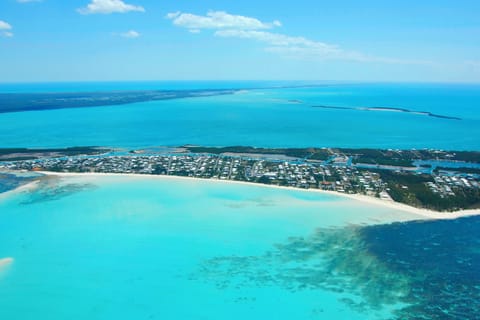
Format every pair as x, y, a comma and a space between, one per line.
338, 175
285, 173
445, 185
314, 175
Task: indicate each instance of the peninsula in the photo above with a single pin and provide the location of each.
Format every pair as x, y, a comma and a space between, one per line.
431, 179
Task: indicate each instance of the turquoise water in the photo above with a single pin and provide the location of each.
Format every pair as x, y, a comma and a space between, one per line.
264, 117
9, 181
141, 248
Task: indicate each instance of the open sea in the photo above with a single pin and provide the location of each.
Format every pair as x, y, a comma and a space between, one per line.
278, 117
120, 247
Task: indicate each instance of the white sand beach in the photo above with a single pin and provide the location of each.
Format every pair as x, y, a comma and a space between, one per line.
421, 213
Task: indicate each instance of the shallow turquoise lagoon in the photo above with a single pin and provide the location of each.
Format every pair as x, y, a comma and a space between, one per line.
157, 248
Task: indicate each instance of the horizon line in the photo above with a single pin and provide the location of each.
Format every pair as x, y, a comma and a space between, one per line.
245, 80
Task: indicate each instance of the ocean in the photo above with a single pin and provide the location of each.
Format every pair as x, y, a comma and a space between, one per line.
120, 247
273, 117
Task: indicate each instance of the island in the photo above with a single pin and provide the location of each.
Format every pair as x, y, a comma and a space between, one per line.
391, 109
20, 102
437, 180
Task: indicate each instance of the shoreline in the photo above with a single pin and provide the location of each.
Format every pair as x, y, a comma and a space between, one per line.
28, 186
424, 213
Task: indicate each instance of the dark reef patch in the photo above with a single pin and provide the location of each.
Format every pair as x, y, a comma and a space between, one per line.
50, 189
445, 253
430, 268
10, 181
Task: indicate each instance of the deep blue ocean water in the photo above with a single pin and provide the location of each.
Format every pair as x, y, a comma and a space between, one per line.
282, 117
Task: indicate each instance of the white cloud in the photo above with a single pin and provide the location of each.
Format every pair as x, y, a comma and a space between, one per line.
109, 6
303, 48
218, 20
234, 26
276, 39
5, 26
5, 29
290, 46
132, 34
173, 15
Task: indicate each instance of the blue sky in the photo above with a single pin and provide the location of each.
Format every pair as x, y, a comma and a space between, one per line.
370, 40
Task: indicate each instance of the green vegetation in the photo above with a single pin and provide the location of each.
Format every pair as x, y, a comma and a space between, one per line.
405, 158
384, 162
461, 170
316, 154
381, 157
467, 156
412, 189
18, 154
291, 152
320, 154
399, 158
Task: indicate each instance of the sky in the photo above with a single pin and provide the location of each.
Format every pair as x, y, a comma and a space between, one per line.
342, 40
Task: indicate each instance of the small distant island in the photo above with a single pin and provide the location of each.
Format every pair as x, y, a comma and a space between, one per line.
431, 179
390, 109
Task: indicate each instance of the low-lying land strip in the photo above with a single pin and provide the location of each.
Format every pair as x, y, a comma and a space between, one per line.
19, 102
17, 154
416, 178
